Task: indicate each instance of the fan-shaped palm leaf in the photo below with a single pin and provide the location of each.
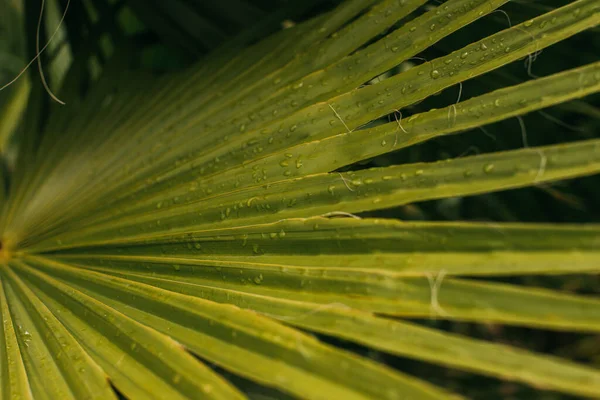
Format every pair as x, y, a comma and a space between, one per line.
165, 225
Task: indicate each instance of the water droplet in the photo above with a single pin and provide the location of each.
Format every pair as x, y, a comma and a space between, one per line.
435, 74
488, 168
432, 27
528, 23
483, 46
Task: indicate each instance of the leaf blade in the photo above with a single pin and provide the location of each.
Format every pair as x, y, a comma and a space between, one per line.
177, 375
299, 352
82, 377
351, 192
397, 337
14, 377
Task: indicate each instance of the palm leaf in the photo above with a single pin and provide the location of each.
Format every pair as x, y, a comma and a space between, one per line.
166, 234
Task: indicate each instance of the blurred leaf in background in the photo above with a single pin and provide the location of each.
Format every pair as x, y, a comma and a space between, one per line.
14, 97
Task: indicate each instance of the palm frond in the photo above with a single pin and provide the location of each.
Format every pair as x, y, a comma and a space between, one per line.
169, 231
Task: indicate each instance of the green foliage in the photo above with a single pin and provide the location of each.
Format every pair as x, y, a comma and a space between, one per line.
193, 233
